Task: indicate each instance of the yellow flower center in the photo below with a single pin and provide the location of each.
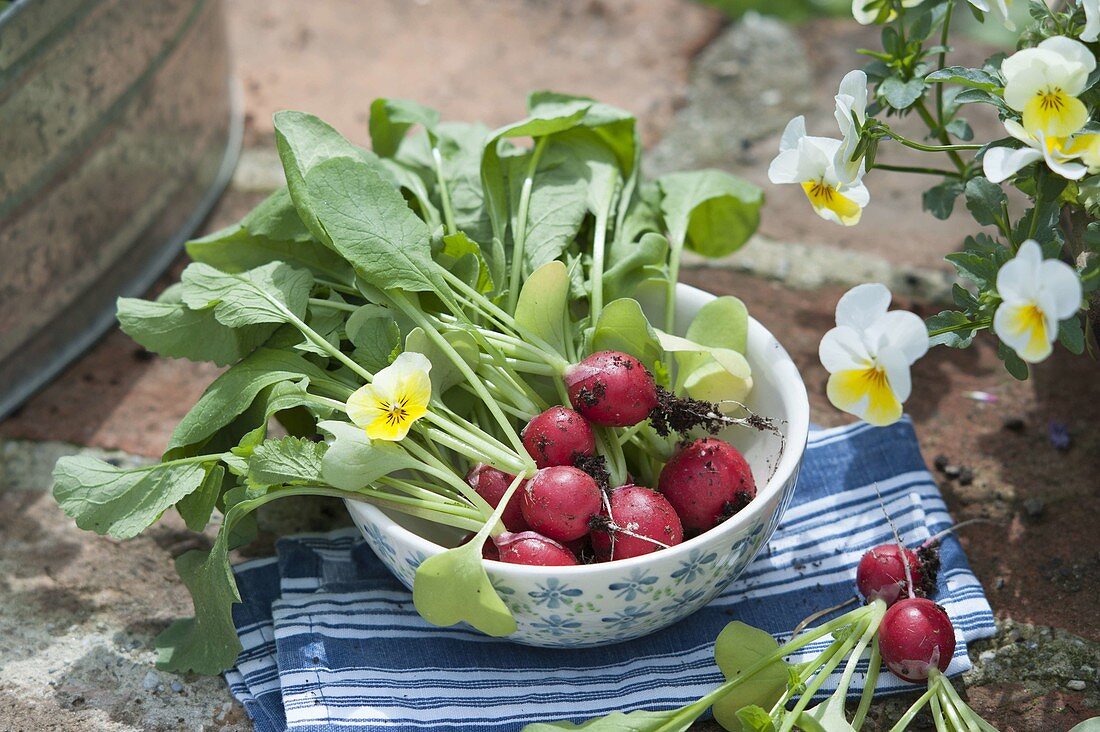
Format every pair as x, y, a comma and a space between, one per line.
395, 414
1028, 321
865, 392
1054, 113
823, 197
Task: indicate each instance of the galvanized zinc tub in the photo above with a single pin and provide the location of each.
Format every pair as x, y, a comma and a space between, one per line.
119, 128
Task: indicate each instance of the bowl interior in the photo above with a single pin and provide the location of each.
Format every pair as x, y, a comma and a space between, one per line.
778, 393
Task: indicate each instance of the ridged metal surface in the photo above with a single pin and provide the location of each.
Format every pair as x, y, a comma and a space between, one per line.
118, 129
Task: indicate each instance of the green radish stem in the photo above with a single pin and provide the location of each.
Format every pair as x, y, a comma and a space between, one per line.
520, 235
444, 193
869, 683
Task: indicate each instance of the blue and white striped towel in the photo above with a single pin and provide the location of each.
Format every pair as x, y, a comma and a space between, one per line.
332, 642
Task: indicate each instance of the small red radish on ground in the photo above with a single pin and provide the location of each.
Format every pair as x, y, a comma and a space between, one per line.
640, 522
914, 636
612, 389
531, 548
707, 482
558, 502
881, 574
558, 436
491, 484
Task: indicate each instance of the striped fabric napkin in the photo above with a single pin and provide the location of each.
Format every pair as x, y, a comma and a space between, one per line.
332, 642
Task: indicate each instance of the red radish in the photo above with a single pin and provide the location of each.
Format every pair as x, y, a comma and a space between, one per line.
707, 482
560, 501
527, 547
636, 513
881, 573
491, 484
488, 549
558, 436
915, 635
611, 389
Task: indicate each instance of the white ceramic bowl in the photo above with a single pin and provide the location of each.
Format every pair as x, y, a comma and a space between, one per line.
598, 604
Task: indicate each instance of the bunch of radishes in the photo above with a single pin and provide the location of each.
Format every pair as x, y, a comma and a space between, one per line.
566, 513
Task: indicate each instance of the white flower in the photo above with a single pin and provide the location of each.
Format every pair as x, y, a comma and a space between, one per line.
809, 161
1043, 83
1002, 8
1060, 154
851, 114
867, 11
869, 352
397, 397
1092, 20
1035, 294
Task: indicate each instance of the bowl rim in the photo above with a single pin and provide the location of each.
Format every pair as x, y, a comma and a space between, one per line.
792, 392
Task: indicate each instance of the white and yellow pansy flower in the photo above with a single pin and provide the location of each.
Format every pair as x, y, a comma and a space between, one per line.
1042, 83
868, 11
869, 352
397, 397
1070, 157
1092, 20
851, 115
809, 162
1035, 294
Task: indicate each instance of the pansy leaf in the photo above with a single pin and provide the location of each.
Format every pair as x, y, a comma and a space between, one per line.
740, 646
974, 78
542, 303
1071, 335
452, 587
939, 200
961, 335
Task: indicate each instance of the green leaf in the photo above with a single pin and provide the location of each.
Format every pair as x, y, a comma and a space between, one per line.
718, 375
738, 647
262, 295
981, 96
827, 716
288, 460
721, 323
900, 94
354, 461
939, 200
616, 128
985, 200
1072, 335
710, 212
122, 502
208, 643
460, 146
196, 507
375, 334
1014, 365
176, 331
458, 245
640, 721
953, 339
542, 303
304, 142
635, 262
974, 78
980, 261
235, 390
367, 221
557, 206
445, 373
961, 129
390, 119
452, 587
754, 718
623, 327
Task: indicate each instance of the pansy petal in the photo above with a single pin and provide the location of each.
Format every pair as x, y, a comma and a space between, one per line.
1054, 113
862, 305
1062, 164
866, 394
1018, 279
896, 364
792, 133
1092, 20
842, 349
903, 331
1025, 75
363, 406
784, 168
1001, 163
1060, 281
854, 85
1023, 328
1072, 51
